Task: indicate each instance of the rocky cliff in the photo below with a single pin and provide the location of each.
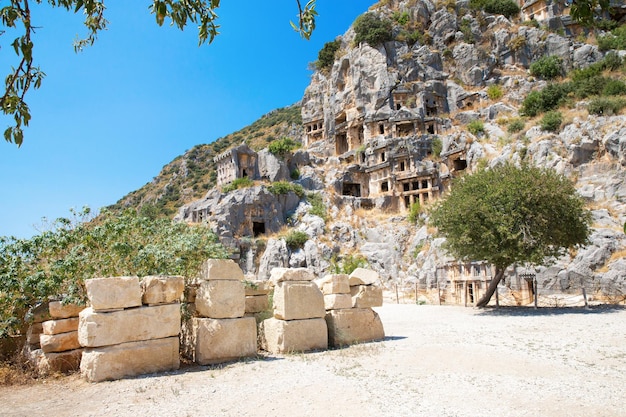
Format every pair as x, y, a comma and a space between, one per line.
387, 125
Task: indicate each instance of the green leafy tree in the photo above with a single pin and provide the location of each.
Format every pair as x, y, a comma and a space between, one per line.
547, 67
56, 263
507, 215
16, 17
326, 55
372, 29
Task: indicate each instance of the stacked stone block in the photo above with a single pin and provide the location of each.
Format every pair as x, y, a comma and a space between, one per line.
220, 332
298, 323
131, 327
257, 296
349, 301
60, 350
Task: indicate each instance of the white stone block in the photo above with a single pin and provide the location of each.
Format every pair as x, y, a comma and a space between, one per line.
115, 327
224, 340
296, 300
290, 274
221, 269
258, 287
334, 284
221, 299
366, 296
363, 276
280, 336
130, 359
51, 327
162, 289
337, 301
59, 342
59, 310
113, 293
355, 325
63, 362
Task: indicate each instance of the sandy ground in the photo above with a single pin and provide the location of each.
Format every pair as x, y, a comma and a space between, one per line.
435, 361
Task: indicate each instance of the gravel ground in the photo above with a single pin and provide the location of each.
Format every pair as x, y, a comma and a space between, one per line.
435, 361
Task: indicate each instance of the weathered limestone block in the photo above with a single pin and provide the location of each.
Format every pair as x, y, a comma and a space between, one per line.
258, 287
63, 362
113, 293
337, 301
290, 274
59, 342
32, 335
112, 328
59, 310
162, 289
296, 300
221, 299
223, 340
363, 276
353, 325
280, 336
334, 284
221, 269
257, 303
130, 359
51, 327
365, 296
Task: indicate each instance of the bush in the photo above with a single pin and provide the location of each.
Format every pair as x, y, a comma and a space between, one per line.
551, 121
614, 88
348, 264
414, 213
284, 187
372, 29
551, 97
606, 106
282, 146
515, 125
494, 92
326, 56
586, 87
295, 174
238, 183
507, 8
296, 239
476, 127
612, 61
318, 208
614, 40
436, 146
466, 29
548, 67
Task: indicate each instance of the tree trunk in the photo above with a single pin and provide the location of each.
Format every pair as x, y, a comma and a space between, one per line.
493, 286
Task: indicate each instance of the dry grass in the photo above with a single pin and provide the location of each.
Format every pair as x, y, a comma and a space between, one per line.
16, 374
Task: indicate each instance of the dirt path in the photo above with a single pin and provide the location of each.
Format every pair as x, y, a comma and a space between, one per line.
436, 361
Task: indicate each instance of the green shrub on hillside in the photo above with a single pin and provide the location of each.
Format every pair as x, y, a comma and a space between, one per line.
296, 239
506, 8
414, 212
515, 125
347, 264
436, 146
326, 56
282, 146
606, 106
238, 183
476, 127
372, 29
547, 67
614, 40
318, 208
494, 92
284, 187
551, 121
614, 88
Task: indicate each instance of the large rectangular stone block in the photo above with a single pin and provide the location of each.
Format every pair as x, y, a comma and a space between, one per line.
364, 276
219, 299
258, 287
280, 336
51, 327
58, 310
337, 301
32, 335
115, 327
130, 359
224, 340
366, 296
334, 284
59, 342
113, 293
257, 303
162, 289
297, 300
290, 274
63, 362
222, 270
354, 325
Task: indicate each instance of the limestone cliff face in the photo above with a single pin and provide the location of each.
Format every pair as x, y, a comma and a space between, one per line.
370, 122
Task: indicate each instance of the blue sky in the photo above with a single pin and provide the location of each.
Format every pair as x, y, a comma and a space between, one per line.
107, 120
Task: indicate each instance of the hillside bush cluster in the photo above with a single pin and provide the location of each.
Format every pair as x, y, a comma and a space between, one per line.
282, 147
551, 121
614, 40
507, 8
372, 29
326, 56
296, 239
476, 127
318, 208
238, 183
347, 264
547, 67
284, 187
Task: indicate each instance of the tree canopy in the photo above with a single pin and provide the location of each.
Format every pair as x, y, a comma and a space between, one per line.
56, 262
508, 215
17, 17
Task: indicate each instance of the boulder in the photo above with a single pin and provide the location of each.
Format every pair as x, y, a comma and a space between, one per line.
257, 303
130, 359
223, 340
221, 299
58, 310
363, 276
113, 293
355, 325
337, 301
280, 336
221, 269
276, 255
365, 296
111, 328
334, 284
59, 342
295, 300
162, 289
290, 274
51, 327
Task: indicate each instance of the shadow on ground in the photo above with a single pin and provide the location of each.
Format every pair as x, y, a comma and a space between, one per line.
550, 311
